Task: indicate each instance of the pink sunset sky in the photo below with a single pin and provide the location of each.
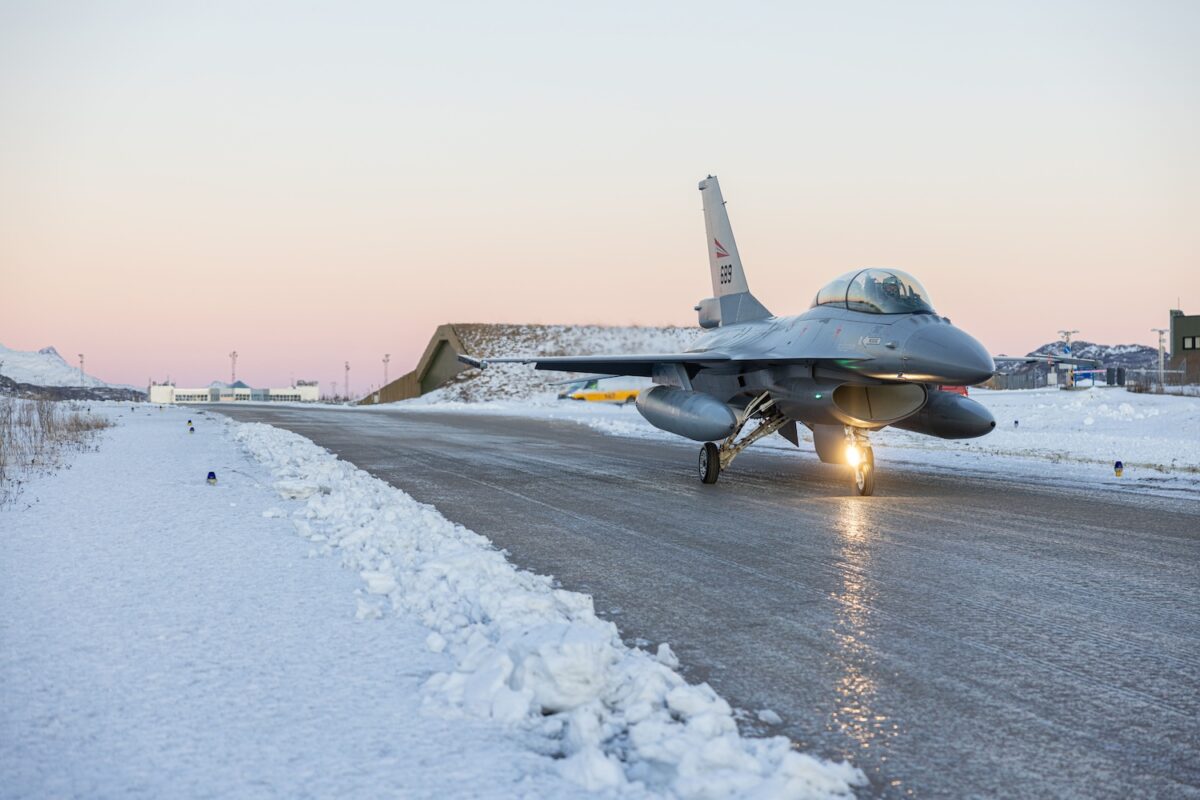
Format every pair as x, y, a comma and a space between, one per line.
310, 183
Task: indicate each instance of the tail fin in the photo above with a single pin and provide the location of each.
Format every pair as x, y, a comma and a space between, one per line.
728, 278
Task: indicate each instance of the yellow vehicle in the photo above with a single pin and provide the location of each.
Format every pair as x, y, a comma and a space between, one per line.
604, 390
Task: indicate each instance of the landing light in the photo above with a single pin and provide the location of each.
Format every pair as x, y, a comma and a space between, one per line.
853, 455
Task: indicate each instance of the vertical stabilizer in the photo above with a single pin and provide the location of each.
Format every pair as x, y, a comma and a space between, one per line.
728, 277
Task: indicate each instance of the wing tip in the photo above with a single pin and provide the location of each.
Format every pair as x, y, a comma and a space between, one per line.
478, 363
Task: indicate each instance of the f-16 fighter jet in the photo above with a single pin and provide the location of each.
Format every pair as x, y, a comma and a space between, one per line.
870, 352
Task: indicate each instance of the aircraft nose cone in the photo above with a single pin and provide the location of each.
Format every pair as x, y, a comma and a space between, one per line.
944, 354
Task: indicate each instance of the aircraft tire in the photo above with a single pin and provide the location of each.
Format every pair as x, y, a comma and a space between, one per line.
710, 463
864, 475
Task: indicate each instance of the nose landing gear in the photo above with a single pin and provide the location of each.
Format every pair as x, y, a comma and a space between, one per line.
861, 459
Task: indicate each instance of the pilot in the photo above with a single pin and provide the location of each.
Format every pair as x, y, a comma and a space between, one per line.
892, 288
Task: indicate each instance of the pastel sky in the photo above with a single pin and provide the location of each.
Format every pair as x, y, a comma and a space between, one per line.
310, 183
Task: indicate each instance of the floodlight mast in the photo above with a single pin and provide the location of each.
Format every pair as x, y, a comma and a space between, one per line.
386, 358
233, 367
346, 383
82, 377
1162, 332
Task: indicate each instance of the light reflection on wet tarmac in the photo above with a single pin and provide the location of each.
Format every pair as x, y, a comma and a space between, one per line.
856, 715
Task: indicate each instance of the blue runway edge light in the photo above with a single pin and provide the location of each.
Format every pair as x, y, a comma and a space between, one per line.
212, 478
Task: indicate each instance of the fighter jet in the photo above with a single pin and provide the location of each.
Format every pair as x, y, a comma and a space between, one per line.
870, 352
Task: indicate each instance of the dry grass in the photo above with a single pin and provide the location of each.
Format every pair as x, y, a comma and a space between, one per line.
35, 435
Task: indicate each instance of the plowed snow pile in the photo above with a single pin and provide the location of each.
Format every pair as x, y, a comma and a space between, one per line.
530, 655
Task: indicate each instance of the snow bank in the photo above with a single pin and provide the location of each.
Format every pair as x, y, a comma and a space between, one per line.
531, 655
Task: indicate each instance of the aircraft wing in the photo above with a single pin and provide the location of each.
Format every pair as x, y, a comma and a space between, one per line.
1083, 362
639, 365
643, 365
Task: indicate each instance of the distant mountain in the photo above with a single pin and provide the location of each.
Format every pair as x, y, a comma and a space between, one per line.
1130, 356
11, 388
26, 373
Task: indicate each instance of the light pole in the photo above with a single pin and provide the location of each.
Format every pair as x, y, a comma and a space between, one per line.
386, 358
1162, 332
333, 390
82, 378
346, 384
233, 367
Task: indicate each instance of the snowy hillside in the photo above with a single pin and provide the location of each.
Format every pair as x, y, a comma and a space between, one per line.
1130, 356
520, 381
44, 367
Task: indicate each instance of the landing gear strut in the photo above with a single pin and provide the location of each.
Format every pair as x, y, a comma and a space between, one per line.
714, 459
861, 459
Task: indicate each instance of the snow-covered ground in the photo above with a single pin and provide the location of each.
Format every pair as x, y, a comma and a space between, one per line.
302, 628
1074, 437
44, 367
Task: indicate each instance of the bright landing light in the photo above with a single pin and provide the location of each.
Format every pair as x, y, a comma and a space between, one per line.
853, 455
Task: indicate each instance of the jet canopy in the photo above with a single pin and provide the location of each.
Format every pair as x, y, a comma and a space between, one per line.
876, 291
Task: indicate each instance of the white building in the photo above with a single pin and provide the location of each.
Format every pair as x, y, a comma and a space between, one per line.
302, 392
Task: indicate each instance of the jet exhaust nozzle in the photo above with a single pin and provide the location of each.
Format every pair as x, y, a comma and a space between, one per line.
950, 416
694, 415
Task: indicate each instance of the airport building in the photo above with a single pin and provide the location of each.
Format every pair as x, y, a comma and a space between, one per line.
1185, 344
302, 392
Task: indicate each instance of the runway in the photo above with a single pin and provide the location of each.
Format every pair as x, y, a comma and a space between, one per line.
953, 636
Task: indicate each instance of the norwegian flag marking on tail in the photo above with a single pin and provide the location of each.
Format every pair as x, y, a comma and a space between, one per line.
721, 253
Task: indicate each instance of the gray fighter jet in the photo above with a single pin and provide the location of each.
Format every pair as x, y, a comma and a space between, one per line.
870, 352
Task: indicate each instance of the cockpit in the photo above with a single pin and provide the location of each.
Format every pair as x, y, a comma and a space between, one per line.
876, 291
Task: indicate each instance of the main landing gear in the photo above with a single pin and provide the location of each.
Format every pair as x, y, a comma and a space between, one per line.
714, 459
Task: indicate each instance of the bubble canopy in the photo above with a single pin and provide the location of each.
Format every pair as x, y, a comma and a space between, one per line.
876, 291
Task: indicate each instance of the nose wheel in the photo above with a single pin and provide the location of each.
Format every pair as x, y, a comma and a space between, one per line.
861, 459
864, 474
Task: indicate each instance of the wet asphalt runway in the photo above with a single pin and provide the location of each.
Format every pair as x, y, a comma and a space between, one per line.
953, 636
